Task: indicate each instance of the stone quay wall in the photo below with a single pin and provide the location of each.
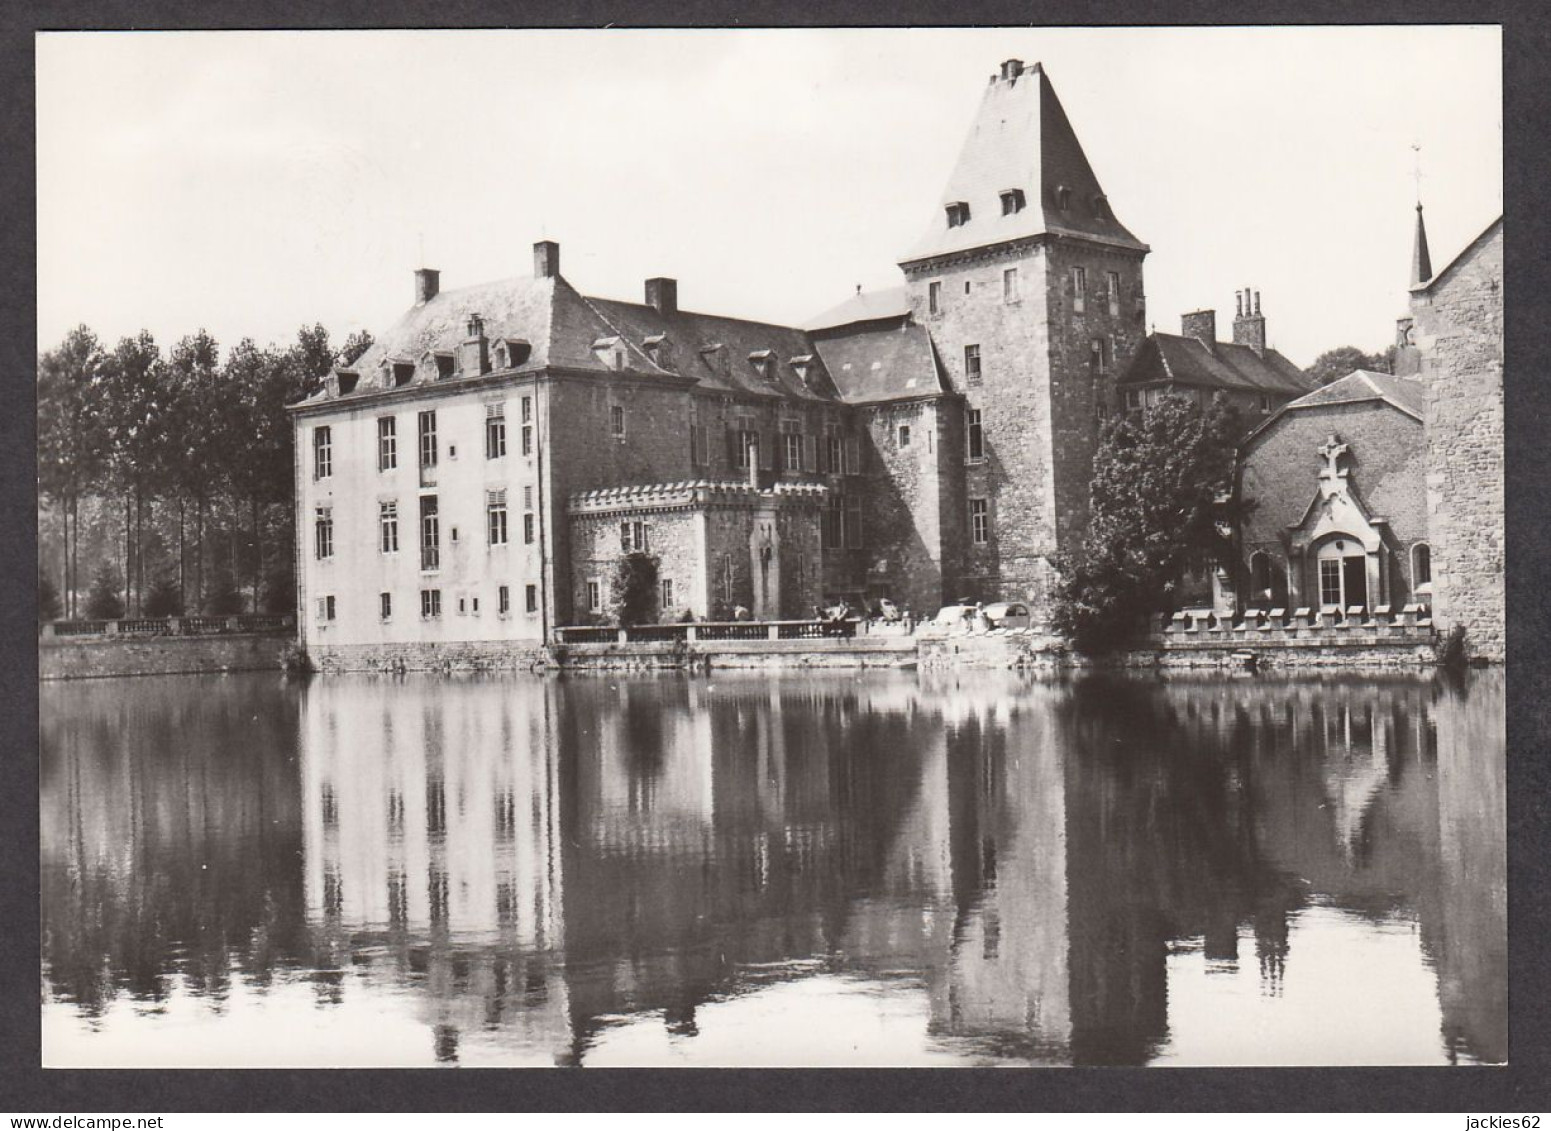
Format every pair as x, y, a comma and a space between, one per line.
102, 656
485, 655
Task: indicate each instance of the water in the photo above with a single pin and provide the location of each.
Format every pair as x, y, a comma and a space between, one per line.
850, 869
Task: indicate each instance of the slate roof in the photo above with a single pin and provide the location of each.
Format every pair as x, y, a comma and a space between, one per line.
1021, 139
882, 364
1358, 386
1188, 361
1405, 393
864, 306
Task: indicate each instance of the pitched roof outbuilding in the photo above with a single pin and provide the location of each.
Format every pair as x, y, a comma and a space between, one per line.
1229, 366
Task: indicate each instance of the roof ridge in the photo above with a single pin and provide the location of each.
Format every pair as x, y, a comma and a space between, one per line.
620, 334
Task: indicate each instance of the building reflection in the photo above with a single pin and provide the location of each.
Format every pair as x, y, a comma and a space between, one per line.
533, 863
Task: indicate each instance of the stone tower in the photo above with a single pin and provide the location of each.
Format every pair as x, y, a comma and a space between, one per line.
1032, 291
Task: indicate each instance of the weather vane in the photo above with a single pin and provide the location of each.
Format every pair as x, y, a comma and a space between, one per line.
1416, 149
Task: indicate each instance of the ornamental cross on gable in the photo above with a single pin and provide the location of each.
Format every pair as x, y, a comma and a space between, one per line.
1331, 451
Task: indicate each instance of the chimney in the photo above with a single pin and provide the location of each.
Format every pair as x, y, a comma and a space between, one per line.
1249, 328
1201, 325
1012, 69
428, 281
476, 348
546, 260
663, 295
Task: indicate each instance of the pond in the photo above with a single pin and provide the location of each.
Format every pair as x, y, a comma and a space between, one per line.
746, 869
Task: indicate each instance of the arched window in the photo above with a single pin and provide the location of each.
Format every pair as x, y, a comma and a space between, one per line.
1421, 568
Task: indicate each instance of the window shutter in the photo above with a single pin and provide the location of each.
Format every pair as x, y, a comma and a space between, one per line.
810, 446
853, 456
734, 438
624, 537
854, 522
767, 447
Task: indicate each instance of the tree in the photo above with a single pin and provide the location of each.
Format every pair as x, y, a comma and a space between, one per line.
1158, 479
138, 408
193, 447
355, 345
72, 444
48, 600
104, 602
1332, 365
633, 594
164, 600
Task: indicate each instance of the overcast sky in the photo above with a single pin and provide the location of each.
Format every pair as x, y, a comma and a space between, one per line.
248, 182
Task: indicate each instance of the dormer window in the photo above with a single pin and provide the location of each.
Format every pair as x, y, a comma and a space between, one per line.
402, 370
610, 351
802, 366
958, 214
1012, 201
348, 379
658, 349
445, 363
1101, 206
511, 352
760, 360
1063, 198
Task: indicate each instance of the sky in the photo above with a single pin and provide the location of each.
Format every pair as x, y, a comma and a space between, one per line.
248, 183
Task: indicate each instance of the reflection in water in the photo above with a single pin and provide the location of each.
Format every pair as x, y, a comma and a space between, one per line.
876, 869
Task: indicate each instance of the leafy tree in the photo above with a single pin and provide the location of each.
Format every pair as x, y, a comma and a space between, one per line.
48, 600
355, 345
138, 408
280, 591
1157, 481
104, 601
193, 443
164, 600
633, 594
1332, 365
72, 443
225, 598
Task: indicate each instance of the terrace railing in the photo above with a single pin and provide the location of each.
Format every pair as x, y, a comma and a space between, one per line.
711, 631
141, 627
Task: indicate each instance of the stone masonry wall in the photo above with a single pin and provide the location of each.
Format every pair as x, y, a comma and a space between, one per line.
903, 519
1279, 477
476, 655
674, 538
1458, 329
1041, 395
160, 655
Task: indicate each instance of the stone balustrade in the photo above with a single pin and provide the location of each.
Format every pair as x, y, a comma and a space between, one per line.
1324, 625
142, 627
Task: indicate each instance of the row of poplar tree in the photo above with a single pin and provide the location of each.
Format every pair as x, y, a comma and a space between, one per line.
165, 479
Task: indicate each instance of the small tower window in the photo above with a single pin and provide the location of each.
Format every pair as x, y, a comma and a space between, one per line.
1010, 285
958, 214
1012, 201
972, 365
1063, 198
934, 297
1079, 288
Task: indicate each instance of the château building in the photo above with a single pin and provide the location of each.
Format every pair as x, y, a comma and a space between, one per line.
475, 476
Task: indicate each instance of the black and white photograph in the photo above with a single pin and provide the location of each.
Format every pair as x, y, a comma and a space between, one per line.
780, 548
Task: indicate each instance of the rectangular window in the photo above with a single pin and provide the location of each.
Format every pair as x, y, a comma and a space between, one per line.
495, 431
1099, 354
326, 608
742, 439
428, 438
430, 602
430, 533
503, 600
699, 445
594, 596
853, 456
834, 445
1133, 400
975, 440
323, 532
853, 522
1112, 289
387, 443
904, 435
385, 606
322, 452
832, 532
1079, 288
527, 410
934, 298
791, 452
1010, 285
531, 598
1330, 581
388, 527
972, 365
667, 594
640, 537
979, 521
617, 420
495, 517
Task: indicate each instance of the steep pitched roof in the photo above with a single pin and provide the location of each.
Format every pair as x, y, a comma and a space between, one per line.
1226, 365
864, 306
1021, 140
882, 363
689, 338
1358, 386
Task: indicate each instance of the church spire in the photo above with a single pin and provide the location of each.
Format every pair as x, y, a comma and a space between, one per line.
1421, 262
